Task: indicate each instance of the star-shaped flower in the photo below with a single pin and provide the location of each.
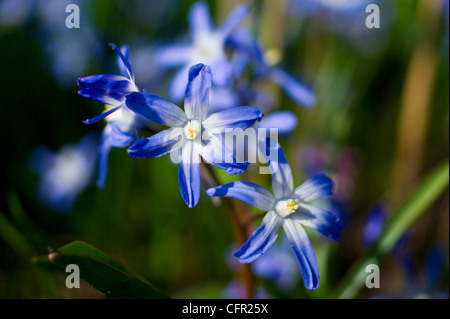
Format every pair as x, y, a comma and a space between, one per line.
207, 47
286, 207
193, 133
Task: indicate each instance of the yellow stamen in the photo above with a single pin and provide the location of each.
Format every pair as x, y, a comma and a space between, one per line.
192, 133
292, 205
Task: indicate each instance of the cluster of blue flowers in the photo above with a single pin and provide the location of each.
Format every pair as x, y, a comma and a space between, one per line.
210, 78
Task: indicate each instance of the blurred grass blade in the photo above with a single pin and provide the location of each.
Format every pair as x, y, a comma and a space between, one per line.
20, 245
14, 238
415, 205
23, 224
100, 271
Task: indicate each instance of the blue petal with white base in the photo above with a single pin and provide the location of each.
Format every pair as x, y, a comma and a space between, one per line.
249, 193
304, 253
261, 240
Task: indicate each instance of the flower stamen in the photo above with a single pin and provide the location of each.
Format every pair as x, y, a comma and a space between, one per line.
292, 206
191, 130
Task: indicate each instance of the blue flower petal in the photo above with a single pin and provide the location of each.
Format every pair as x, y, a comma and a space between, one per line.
177, 86
222, 99
157, 145
196, 102
189, 175
124, 60
282, 181
156, 109
319, 219
105, 88
374, 223
315, 187
284, 121
112, 137
222, 70
233, 20
125, 49
304, 253
104, 149
120, 139
41, 160
199, 19
294, 88
261, 240
249, 193
236, 117
173, 55
216, 153
435, 265
101, 116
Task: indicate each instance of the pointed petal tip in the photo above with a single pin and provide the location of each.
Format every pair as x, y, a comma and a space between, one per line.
134, 149
100, 185
196, 69
210, 191
190, 204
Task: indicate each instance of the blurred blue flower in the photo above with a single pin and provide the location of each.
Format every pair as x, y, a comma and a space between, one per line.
207, 47
347, 18
189, 130
236, 290
121, 122
14, 13
64, 175
374, 224
286, 207
316, 158
344, 17
281, 122
264, 68
68, 52
423, 282
347, 7
278, 266
284, 121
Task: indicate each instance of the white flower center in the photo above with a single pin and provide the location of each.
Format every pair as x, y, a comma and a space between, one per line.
123, 118
286, 207
207, 48
69, 172
192, 129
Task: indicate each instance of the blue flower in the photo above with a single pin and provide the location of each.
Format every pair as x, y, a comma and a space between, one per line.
286, 207
346, 18
121, 122
284, 121
236, 290
374, 223
193, 133
64, 175
265, 68
109, 89
278, 266
208, 47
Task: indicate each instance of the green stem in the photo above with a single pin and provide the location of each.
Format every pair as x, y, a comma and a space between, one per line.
241, 233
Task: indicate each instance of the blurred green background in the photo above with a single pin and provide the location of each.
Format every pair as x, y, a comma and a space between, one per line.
383, 101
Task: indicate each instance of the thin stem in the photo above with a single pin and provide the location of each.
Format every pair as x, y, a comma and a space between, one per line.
240, 232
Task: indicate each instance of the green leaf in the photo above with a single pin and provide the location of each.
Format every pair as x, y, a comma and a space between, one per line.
425, 194
100, 271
